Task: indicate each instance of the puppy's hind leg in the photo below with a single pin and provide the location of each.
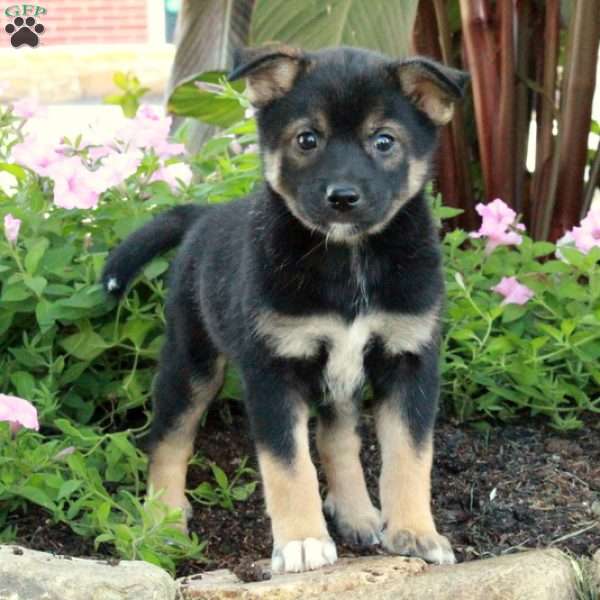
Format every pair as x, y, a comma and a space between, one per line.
190, 376
348, 502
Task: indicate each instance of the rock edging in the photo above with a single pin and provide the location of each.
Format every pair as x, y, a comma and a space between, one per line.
534, 575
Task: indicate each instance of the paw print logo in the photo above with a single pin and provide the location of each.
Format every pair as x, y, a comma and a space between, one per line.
24, 31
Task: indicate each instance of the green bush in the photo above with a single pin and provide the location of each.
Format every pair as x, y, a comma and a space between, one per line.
87, 364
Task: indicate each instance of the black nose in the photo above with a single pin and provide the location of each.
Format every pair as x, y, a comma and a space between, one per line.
342, 198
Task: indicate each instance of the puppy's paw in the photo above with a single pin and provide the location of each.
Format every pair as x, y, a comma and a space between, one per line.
431, 546
303, 555
359, 527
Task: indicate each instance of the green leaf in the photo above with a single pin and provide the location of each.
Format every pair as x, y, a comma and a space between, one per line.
383, 26
574, 256
156, 268
36, 284
67, 488
447, 212
220, 476
85, 345
44, 313
512, 312
28, 358
136, 330
15, 170
35, 254
37, 496
15, 292
120, 79
189, 100
24, 383
543, 248
555, 266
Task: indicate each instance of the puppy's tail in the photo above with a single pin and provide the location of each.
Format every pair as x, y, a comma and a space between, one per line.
162, 233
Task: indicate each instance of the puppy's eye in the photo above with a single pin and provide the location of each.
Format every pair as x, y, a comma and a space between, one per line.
307, 140
383, 142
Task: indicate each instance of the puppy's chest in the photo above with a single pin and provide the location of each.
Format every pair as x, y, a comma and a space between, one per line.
305, 337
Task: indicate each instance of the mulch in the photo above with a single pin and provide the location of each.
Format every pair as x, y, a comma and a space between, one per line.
511, 488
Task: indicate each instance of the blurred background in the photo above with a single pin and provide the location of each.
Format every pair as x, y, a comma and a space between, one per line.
528, 132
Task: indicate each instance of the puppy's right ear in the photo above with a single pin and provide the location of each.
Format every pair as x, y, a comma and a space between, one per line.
270, 71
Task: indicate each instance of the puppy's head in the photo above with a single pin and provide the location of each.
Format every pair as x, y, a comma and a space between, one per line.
347, 135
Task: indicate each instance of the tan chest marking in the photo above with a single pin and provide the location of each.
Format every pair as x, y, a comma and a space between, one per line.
302, 337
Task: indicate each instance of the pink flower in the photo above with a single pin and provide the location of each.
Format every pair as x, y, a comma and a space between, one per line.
74, 185
115, 169
172, 174
18, 412
11, 228
149, 130
513, 291
97, 152
36, 154
26, 108
498, 225
587, 235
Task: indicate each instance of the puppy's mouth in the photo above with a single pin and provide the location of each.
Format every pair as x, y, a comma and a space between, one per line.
343, 232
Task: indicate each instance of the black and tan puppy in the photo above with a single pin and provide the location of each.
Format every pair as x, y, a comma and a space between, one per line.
326, 278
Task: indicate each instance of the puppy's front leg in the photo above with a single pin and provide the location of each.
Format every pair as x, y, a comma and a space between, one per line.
280, 422
405, 419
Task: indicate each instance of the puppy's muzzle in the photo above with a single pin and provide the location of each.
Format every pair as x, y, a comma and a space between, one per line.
342, 198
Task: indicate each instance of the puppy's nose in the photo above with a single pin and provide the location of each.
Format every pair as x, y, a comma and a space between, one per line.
342, 197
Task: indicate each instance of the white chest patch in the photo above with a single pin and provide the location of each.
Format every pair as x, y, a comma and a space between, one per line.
302, 337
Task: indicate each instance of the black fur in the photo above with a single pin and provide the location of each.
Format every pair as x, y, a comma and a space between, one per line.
271, 253
162, 234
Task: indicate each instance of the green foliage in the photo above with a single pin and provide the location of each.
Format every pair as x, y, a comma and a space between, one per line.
129, 100
540, 358
87, 364
195, 97
379, 25
227, 490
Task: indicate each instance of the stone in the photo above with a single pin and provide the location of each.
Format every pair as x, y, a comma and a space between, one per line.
31, 575
534, 575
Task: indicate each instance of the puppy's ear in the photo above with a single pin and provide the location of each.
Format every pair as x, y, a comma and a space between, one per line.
431, 86
270, 71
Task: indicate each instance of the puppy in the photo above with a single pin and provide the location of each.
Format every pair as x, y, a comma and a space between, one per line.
326, 278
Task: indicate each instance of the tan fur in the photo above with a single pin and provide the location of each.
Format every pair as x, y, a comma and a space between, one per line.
169, 459
272, 168
418, 168
405, 481
274, 78
427, 95
376, 123
292, 491
302, 337
339, 449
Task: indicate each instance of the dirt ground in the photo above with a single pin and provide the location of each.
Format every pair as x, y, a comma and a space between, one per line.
515, 487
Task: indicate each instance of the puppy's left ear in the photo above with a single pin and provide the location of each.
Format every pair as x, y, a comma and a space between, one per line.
270, 71
431, 86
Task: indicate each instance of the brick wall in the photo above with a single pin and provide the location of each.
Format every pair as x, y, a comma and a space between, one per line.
95, 21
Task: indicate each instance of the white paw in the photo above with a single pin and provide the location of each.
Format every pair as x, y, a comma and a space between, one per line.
303, 555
